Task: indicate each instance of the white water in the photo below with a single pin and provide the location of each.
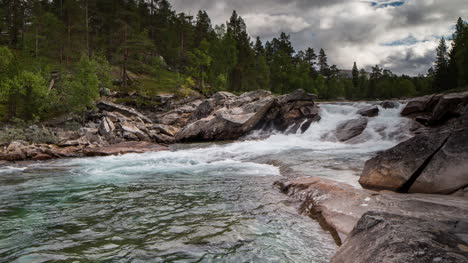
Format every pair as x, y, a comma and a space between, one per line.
198, 203
316, 152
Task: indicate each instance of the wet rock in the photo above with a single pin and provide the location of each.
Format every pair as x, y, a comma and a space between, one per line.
388, 104
384, 237
226, 124
341, 206
392, 169
421, 105
125, 147
350, 129
449, 106
447, 171
129, 112
371, 111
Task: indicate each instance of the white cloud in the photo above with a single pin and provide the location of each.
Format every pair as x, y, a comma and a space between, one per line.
265, 24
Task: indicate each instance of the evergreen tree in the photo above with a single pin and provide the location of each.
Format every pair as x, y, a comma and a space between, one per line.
441, 67
355, 75
323, 64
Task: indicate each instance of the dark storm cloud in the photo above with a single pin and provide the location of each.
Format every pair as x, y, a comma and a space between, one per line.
349, 30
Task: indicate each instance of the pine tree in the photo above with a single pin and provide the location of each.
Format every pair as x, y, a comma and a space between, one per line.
355, 74
323, 64
441, 67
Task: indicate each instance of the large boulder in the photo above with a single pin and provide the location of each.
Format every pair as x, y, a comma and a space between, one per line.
388, 104
394, 168
350, 129
392, 238
129, 112
370, 111
234, 116
434, 162
447, 171
341, 205
203, 110
420, 105
448, 106
226, 124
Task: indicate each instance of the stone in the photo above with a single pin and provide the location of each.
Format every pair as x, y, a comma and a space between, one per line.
130, 128
226, 124
385, 237
350, 129
106, 127
256, 94
392, 169
448, 106
298, 95
388, 104
203, 110
371, 111
123, 148
221, 96
129, 112
341, 206
447, 172
420, 105
165, 129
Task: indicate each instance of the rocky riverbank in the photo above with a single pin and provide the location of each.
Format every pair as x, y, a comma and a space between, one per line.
415, 205
115, 129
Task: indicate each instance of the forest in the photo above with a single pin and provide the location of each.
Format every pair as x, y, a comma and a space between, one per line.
60, 56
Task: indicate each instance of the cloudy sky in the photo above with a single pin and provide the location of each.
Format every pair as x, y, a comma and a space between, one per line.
399, 35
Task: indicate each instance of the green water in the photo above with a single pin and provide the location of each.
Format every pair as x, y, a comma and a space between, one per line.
152, 208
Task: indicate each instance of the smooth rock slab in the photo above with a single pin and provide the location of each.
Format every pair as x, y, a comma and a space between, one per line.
391, 238
393, 168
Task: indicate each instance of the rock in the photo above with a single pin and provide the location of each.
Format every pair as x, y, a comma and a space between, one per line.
65, 152
256, 95
371, 111
298, 95
221, 97
129, 112
447, 171
384, 237
449, 106
42, 157
162, 138
226, 124
350, 129
203, 110
106, 127
125, 147
130, 128
388, 104
421, 105
165, 129
341, 206
392, 169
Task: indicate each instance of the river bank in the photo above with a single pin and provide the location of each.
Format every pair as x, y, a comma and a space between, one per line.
331, 141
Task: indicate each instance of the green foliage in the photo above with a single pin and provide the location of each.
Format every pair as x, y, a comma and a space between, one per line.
82, 86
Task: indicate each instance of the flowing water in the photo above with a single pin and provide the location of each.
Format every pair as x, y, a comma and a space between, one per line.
197, 203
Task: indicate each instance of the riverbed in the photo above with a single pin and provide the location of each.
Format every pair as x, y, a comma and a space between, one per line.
196, 203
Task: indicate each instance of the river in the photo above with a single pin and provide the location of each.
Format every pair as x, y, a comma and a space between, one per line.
196, 203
